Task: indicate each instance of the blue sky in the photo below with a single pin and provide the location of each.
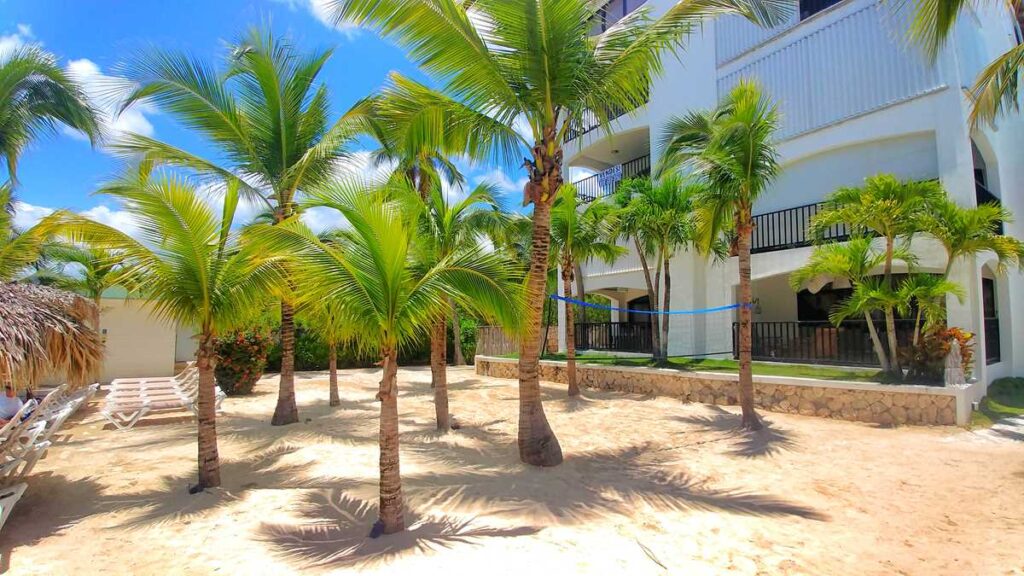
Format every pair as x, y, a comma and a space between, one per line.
90, 38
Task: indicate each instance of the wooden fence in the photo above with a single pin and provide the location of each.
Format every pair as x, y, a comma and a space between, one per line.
493, 341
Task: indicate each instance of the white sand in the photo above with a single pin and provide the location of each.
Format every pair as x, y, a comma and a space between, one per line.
649, 486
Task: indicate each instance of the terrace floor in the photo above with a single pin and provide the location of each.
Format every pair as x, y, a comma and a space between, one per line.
649, 486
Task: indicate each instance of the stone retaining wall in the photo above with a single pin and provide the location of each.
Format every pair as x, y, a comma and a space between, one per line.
856, 401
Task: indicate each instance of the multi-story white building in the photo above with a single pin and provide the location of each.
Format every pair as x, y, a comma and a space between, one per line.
856, 99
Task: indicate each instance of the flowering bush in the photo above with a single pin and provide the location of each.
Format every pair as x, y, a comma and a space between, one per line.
241, 359
928, 359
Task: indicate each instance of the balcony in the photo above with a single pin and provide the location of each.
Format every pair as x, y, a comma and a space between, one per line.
590, 122
612, 12
614, 336
603, 184
790, 228
849, 344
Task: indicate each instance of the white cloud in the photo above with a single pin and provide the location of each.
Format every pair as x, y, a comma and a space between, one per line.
320, 9
498, 178
26, 215
319, 219
117, 219
97, 86
13, 41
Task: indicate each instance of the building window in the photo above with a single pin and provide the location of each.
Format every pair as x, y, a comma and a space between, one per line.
990, 309
612, 12
809, 8
642, 303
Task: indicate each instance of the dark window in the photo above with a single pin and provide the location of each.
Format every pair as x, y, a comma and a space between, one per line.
809, 8
991, 321
815, 307
642, 303
988, 297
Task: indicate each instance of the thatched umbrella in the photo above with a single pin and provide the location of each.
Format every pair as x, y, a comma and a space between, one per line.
47, 331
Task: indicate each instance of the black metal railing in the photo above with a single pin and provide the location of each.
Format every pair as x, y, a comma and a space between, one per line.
809, 8
790, 228
590, 121
819, 342
614, 336
593, 187
612, 12
992, 350
982, 195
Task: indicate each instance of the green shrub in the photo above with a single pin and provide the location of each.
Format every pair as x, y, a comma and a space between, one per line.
927, 361
241, 359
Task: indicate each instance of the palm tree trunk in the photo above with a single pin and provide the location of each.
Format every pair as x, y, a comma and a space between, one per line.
652, 299
581, 293
286, 411
438, 372
457, 359
332, 366
209, 459
391, 514
876, 342
656, 306
537, 442
890, 318
570, 329
665, 306
749, 421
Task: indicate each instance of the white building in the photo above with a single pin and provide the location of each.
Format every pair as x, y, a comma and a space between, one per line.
856, 99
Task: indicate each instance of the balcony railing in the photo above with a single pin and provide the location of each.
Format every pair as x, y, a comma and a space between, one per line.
612, 12
818, 342
601, 185
982, 195
614, 336
993, 354
589, 121
790, 228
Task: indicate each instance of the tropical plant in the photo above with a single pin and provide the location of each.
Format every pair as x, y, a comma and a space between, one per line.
997, 88
386, 294
854, 261
966, 232
927, 293
267, 116
95, 270
188, 263
731, 147
891, 208
578, 235
630, 229
332, 328
241, 359
499, 62
448, 229
19, 249
36, 96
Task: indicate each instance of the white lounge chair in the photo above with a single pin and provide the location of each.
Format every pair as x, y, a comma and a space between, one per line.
8, 498
130, 383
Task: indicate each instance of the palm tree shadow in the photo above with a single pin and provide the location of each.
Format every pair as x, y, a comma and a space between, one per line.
768, 441
337, 535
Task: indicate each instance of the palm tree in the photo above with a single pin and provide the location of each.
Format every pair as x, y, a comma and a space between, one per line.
19, 249
97, 269
267, 116
578, 235
997, 88
36, 96
387, 294
853, 261
730, 146
928, 293
664, 213
966, 232
534, 61
332, 327
447, 230
891, 208
188, 263
631, 228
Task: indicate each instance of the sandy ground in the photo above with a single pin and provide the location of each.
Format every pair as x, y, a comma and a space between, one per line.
649, 486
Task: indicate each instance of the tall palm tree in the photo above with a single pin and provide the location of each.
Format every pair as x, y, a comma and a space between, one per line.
332, 327
664, 212
386, 293
448, 229
578, 235
267, 117
965, 232
631, 228
535, 61
854, 261
732, 147
188, 263
36, 96
96, 269
891, 208
997, 88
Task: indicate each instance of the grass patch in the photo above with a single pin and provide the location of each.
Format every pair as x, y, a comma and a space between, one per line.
1005, 398
731, 366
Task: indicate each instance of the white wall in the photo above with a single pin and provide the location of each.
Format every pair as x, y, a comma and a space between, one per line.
185, 345
136, 343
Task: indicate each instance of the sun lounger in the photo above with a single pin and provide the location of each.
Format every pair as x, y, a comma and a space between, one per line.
130, 383
8, 498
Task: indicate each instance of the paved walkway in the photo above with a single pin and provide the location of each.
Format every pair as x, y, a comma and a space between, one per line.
1008, 429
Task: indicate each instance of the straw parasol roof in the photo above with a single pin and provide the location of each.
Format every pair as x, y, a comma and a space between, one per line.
47, 331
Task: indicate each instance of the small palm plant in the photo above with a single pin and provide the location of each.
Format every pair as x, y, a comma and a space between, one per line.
966, 232
499, 62
891, 208
578, 235
332, 327
732, 148
19, 249
390, 298
95, 270
189, 265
